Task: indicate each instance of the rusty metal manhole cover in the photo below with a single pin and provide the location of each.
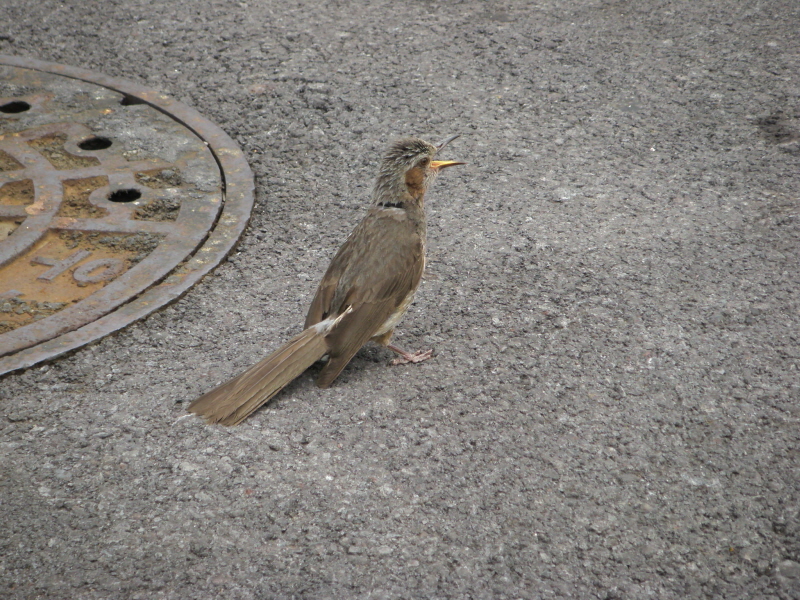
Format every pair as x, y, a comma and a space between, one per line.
114, 200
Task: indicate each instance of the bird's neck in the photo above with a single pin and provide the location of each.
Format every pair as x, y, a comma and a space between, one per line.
391, 193
405, 203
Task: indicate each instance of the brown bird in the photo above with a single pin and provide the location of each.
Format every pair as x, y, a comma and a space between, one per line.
366, 290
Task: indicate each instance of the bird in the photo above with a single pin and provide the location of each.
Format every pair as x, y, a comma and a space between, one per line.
366, 290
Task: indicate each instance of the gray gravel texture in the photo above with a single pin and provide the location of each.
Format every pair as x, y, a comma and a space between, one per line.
612, 411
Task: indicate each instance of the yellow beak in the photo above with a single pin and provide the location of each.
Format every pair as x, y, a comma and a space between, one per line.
441, 164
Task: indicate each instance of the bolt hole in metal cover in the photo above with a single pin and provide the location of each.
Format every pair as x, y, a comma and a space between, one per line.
114, 200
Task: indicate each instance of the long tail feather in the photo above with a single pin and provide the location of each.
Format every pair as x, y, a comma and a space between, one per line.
232, 402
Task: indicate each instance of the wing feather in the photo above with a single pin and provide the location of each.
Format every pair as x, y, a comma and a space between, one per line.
373, 273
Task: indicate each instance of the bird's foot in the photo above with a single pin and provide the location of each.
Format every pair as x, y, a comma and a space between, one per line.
409, 357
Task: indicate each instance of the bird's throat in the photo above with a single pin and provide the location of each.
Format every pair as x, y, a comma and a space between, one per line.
399, 192
415, 182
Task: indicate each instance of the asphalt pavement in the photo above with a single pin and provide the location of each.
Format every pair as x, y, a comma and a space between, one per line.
613, 409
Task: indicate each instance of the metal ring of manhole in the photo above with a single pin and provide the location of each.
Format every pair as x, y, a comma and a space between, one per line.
114, 200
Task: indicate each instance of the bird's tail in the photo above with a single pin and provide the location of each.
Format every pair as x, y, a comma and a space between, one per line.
232, 402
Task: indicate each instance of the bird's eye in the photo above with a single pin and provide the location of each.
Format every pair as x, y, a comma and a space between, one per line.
424, 162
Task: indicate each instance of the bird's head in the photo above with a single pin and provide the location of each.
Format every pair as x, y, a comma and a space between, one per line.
407, 169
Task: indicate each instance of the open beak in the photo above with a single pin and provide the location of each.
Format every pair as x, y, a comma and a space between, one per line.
446, 141
441, 164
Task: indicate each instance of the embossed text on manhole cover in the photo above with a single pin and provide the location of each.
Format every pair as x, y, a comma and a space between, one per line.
114, 199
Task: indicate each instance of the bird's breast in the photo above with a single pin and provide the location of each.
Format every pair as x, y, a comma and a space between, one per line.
395, 318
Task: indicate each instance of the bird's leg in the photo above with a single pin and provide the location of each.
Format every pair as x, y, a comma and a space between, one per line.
405, 357
409, 357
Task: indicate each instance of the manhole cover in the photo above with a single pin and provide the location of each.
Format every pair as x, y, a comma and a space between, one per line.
114, 200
